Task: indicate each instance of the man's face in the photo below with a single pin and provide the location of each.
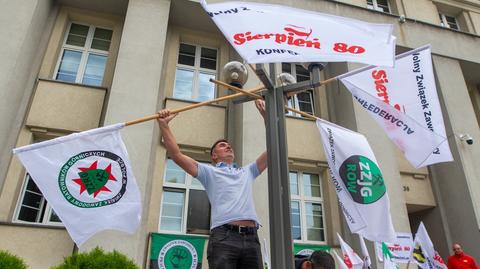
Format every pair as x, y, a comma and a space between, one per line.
457, 249
223, 152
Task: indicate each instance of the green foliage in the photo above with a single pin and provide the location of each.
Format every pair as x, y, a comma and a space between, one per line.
11, 261
97, 259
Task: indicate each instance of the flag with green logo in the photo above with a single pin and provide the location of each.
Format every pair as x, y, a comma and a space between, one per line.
87, 179
171, 251
307, 250
361, 189
388, 262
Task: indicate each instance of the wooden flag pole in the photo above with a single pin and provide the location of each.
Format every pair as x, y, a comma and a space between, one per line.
301, 113
223, 98
218, 82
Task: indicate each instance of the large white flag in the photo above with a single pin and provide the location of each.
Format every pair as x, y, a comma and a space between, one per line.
87, 179
403, 100
367, 262
359, 183
351, 259
424, 254
263, 33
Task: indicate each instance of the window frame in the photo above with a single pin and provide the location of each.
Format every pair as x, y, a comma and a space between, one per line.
197, 70
377, 8
86, 50
444, 22
303, 200
183, 188
295, 104
45, 207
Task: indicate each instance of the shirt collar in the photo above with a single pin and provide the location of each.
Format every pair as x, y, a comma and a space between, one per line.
222, 164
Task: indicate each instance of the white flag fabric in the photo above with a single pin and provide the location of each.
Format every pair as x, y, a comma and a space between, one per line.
403, 100
87, 179
340, 261
367, 262
263, 33
351, 259
424, 254
359, 183
388, 262
401, 248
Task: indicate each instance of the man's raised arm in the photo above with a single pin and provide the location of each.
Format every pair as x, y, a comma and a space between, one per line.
186, 163
262, 159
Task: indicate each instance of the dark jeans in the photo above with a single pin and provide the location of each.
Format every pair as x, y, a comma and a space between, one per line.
229, 249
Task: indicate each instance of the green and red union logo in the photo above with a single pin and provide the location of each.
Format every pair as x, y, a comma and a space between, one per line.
363, 179
93, 180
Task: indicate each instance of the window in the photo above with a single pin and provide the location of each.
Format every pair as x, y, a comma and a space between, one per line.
33, 207
379, 5
195, 67
306, 207
302, 101
84, 55
448, 21
185, 206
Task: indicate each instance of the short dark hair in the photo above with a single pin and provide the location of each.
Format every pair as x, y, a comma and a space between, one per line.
322, 260
215, 144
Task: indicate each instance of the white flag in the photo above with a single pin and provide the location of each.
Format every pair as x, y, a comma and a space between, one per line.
403, 100
388, 262
359, 183
351, 259
340, 261
263, 33
424, 254
401, 248
367, 262
87, 179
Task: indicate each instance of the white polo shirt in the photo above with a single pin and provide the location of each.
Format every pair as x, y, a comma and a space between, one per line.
229, 190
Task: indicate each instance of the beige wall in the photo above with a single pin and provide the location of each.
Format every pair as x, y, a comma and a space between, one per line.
25, 29
422, 10
41, 248
80, 106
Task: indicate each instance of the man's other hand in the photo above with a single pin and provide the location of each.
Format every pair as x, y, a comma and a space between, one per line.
260, 104
165, 116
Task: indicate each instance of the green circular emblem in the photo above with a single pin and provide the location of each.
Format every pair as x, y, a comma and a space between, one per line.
179, 254
93, 179
363, 179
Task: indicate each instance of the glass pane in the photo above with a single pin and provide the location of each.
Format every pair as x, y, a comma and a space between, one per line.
31, 186
101, 39
302, 73
183, 84
208, 59
54, 217
198, 217
286, 68
94, 70
28, 214
174, 173
172, 211
311, 185
295, 219
293, 183
206, 89
383, 5
69, 66
186, 55
77, 35
452, 22
32, 199
313, 215
315, 234
305, 102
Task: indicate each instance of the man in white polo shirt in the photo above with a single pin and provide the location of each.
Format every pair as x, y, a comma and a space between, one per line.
233, 241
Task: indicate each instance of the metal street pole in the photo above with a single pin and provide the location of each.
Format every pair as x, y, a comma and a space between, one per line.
281, 243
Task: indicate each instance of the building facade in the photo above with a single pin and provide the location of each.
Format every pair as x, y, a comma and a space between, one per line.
69, 66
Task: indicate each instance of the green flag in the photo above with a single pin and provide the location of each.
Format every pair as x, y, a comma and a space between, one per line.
170, 251
307, 250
